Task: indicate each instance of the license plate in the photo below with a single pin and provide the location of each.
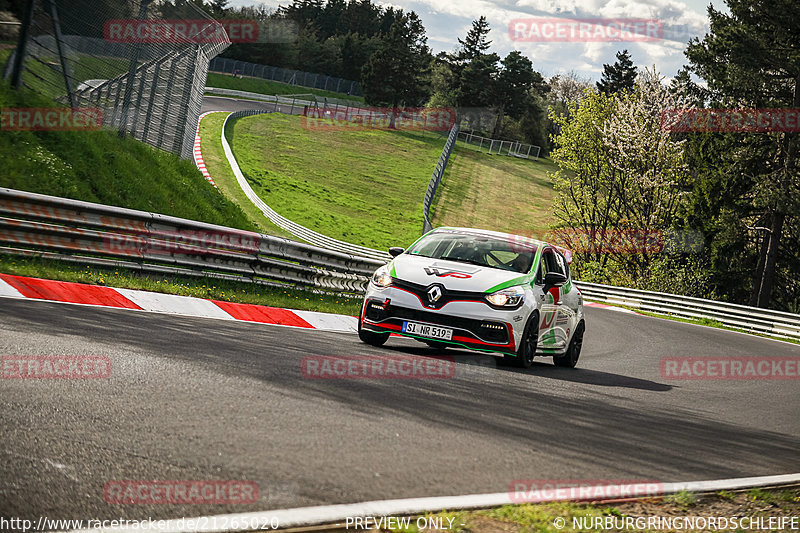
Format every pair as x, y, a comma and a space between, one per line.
426, 330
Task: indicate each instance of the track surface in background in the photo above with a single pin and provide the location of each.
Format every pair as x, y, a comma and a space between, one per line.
196, 399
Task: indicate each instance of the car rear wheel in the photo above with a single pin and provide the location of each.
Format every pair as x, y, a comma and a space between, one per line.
570, 357
527, 346
372, 338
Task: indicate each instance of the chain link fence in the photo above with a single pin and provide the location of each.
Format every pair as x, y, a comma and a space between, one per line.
107, 55
292, 77
500, 147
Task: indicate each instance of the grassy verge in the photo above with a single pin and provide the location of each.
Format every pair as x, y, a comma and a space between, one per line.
361, 186
574, 518
220, 170
496, 192
98, 166
261, 86
215, 289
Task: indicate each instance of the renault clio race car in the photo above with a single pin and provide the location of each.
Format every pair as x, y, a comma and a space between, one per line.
481, 290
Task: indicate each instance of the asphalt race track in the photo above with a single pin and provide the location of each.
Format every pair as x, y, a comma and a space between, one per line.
222, 103
199, 399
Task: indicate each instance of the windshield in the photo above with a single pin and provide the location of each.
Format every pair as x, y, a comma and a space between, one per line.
505, 253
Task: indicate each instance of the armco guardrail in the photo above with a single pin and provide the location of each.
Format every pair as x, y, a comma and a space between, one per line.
766, 321
436, 178
71, 230
282, 222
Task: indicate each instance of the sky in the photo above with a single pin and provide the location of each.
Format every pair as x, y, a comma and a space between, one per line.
448, 20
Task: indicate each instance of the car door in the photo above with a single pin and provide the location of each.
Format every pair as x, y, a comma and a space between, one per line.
559, 310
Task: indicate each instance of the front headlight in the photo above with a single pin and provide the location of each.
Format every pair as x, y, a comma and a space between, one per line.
381, 278
510, 297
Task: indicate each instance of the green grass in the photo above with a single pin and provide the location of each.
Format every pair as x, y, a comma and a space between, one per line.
496, 192
363, 186
98, 166
214, 289
366, 186
221, 173
261, 86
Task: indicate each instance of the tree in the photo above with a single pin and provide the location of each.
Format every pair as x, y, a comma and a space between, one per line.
475, 44
750, 58
514, 82
620, 171
395, 73
619, 76
218, 7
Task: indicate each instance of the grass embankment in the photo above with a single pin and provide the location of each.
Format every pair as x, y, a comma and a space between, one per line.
262, 86
366, 186
220, 170
361, 186
754, 504
496, 192
98, 166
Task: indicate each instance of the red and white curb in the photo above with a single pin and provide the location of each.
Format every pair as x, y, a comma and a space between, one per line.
95, 295
333, 514
198, 154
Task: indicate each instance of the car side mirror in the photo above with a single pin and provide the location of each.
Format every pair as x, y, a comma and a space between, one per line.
554, 279
394, 251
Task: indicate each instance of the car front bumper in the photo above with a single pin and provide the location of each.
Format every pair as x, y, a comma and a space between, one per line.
475, 325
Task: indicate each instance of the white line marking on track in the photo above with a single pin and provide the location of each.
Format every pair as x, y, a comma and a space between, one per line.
329, 514
8, 291
174, 304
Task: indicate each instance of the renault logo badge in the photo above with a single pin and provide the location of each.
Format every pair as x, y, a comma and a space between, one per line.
434, 293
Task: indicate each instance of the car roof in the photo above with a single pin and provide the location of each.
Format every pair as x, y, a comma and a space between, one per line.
489, 233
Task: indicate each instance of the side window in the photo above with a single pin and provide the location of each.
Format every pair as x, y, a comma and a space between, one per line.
542, 268
555, 262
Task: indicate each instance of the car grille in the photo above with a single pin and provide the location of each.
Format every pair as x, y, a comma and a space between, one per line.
485, 330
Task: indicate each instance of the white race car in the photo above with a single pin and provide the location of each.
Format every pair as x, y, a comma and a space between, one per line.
482, 290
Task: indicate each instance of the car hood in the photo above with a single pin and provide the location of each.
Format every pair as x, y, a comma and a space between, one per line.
452, 275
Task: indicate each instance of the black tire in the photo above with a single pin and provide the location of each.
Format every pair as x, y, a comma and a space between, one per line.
438, 346
570, 357
527, 346
372, 338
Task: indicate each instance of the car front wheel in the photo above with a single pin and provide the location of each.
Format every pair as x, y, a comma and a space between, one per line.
570, 358
372, 338
527, 346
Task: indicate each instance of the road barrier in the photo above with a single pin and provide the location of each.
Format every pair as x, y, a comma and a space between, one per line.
71, 230
754, 319
436, 178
